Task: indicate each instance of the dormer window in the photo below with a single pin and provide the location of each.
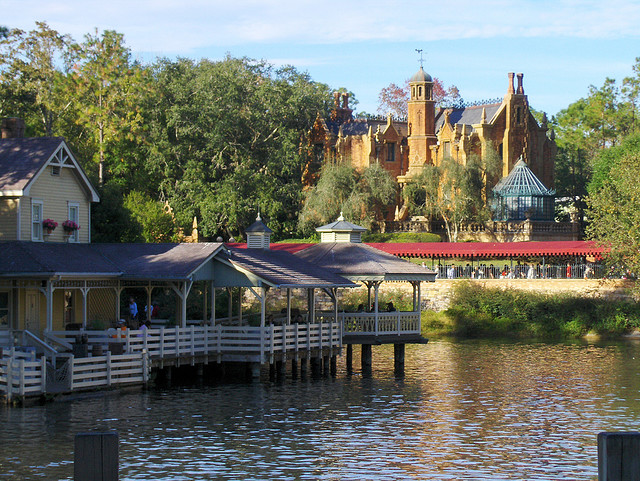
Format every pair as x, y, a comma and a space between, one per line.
391, 152
36, 220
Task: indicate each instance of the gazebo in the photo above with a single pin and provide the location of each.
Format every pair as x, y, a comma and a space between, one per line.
342, 252
522, 196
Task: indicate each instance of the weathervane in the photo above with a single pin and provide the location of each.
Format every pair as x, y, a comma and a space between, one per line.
419, 50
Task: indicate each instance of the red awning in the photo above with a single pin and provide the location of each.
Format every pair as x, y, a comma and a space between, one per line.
470, 250
491, 249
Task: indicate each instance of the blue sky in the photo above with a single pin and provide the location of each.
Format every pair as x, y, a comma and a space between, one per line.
561, 46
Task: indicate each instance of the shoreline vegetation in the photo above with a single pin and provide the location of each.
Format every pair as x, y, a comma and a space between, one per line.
478, 312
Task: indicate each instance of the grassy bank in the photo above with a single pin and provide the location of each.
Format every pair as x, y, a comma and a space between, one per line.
482, 312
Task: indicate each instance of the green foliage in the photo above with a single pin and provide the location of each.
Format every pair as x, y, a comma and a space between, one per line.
478, 311
352, 298
154, 223
226, 139
614, 205
401, 237
452, 192
363, 197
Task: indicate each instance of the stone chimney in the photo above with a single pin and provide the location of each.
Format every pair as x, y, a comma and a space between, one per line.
12, 128
511, 89
520, 90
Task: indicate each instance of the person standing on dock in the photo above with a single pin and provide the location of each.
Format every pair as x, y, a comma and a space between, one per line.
133, 313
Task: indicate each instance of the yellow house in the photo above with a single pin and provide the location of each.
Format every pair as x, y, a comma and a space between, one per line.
40, 180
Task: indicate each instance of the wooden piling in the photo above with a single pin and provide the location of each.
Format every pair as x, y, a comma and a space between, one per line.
294, 368
398, 358
366, 358
334, 366
349, 360
96, 457
619, 456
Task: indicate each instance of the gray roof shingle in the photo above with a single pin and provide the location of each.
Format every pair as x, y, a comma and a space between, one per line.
362, 262
21, 159
282, 269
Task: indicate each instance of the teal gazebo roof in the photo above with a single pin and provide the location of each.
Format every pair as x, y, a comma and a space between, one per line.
521, 181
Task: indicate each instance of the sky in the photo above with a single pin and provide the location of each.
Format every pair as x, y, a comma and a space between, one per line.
561, 46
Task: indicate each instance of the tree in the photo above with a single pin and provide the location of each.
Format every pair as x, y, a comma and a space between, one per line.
227, 139
108, 90
364, 197
450, 191
614, 206
153, 222
33, 65
394, 99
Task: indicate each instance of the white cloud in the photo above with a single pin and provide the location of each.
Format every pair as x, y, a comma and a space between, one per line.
172, 27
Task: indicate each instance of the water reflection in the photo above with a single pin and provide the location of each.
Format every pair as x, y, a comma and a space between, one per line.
463, 410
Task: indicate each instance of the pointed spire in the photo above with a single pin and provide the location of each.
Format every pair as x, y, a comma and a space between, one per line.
483, 119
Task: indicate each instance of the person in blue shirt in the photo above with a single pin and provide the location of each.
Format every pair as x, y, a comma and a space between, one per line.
133, 314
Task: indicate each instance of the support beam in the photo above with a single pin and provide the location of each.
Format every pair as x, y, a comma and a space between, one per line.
212, 320
366, 358
349, 358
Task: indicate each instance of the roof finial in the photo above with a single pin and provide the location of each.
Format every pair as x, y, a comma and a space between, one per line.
258, 218
419, 50
341, 218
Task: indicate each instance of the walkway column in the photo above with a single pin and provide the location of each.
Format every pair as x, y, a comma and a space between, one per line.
118, 294
149, 289
229, 304
375, 287
49, 301
84, 291
212, 319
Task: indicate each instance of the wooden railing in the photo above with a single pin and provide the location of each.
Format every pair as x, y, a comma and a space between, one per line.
388, 323
109, 370
22, 377
210, 340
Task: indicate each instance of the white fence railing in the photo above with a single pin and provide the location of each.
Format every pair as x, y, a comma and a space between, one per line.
209, 340
388, 323
109, 370
22, 377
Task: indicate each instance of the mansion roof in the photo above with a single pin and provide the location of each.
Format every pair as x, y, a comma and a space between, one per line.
467, 115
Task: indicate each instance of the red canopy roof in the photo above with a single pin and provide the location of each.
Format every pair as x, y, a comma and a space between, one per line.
491, 249
471, 249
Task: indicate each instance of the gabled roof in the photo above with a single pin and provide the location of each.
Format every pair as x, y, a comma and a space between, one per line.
521, 181
158, 261
125, 261
22, 160
280, 269
467, 115
362, 262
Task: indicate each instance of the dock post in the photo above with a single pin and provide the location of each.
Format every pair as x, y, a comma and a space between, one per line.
366, 358
294, 368
254, 371
325, 365
349, 358
304, 362
272, 371
316, 366
619, 456
334, 365
168, 374
281, 370
95, 457
398, 359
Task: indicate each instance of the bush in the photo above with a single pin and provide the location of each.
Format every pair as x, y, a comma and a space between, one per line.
480, 312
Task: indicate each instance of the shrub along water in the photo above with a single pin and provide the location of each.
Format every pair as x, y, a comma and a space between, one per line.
480, 312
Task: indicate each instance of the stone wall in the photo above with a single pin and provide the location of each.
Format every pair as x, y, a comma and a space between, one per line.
437, 295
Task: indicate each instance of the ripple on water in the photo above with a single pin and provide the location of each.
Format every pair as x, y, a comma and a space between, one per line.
464, 410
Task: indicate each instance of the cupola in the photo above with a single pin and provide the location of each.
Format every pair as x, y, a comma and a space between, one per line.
258, 235
341, 231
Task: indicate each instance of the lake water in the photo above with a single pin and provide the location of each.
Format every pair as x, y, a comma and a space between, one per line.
463, 410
